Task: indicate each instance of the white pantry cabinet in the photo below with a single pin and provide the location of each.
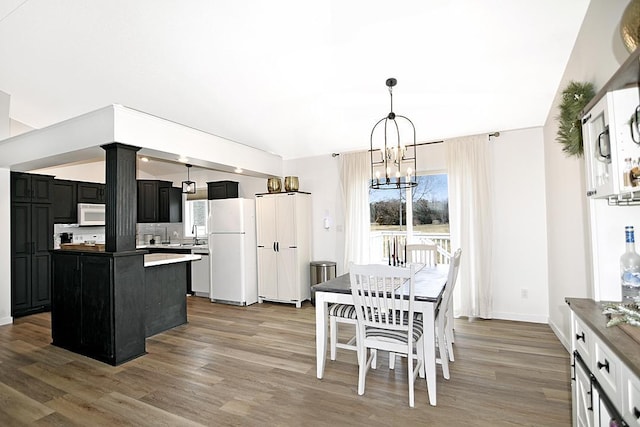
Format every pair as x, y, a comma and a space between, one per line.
283, 225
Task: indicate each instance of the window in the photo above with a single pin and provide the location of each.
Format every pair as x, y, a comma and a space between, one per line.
418, 214
195, 218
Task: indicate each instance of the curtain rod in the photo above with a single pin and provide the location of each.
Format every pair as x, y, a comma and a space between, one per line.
408, 145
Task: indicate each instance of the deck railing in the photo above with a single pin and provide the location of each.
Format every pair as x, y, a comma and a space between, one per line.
381, 241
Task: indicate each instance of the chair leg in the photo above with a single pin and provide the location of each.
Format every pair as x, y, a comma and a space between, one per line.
333, 333
363, 366
410, 377
420, 351
449, 336
442, 349
392, 360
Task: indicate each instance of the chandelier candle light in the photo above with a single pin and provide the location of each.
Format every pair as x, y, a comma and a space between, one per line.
396, 165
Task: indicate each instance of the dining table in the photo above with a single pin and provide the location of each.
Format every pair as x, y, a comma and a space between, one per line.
429, 287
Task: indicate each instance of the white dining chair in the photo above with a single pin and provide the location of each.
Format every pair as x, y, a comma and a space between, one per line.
422, 253
444, 313
385, 321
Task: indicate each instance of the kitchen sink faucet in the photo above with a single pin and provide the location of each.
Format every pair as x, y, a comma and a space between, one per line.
194, 231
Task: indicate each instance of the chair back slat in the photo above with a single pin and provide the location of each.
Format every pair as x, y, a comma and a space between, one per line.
422, 253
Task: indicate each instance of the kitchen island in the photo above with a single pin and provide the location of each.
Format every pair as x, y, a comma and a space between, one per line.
106, 319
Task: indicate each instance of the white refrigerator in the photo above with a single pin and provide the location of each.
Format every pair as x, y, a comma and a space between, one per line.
232, 251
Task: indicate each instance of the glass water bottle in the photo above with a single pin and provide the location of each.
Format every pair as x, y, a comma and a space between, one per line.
630, 268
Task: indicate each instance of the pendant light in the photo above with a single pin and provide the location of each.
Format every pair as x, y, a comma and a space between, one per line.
393, 162
188, 186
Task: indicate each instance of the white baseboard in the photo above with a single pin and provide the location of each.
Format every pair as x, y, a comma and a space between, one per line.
518, 317
6, 320
561, 337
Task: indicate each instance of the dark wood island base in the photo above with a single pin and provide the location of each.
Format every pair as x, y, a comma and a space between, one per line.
105, 304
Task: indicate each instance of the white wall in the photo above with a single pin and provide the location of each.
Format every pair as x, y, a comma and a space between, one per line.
320, 176
5, 218
597, 54
5, 122
519, 227
16, 127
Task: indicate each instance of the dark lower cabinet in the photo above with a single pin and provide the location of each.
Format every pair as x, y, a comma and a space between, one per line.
98, 304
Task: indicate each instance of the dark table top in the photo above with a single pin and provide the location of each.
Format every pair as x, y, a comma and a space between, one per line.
429, 283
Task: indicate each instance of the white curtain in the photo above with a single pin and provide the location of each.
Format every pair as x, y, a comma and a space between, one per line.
355, 169
468, 166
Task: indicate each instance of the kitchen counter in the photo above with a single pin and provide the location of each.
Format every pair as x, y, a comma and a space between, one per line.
622, 344
174, 246
151, 260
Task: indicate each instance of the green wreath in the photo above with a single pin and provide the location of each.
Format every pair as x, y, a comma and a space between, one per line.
574, 98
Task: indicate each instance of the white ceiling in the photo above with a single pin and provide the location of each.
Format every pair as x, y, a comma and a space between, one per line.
295, 78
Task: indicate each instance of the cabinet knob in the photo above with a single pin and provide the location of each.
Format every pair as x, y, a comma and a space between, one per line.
604, 365
580, 337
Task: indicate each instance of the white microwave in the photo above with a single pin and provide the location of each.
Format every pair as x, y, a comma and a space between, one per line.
91, 214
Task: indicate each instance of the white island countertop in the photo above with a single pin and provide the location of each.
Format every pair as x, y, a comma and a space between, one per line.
151, 260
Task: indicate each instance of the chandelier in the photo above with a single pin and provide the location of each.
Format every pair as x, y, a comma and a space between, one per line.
393, 165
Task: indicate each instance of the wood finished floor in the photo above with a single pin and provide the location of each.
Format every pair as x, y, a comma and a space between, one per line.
255, 366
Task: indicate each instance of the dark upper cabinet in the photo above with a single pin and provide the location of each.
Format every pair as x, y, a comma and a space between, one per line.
222, 190
65, 209
158, 201
27, 187
170, 204
91, 192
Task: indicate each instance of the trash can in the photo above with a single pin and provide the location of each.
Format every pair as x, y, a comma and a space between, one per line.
321, 271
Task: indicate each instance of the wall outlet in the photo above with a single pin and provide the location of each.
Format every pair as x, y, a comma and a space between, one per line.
524, 293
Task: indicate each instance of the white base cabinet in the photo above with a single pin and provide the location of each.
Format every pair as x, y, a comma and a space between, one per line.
283, 225
604, 376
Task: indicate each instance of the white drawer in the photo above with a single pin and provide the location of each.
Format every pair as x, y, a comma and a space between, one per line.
583, 341
607, 370
631, 396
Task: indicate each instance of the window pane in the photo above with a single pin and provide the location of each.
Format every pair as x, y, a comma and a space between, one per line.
431, 204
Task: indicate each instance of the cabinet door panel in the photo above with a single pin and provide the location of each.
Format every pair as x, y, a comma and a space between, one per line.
65, 209
20, 283
267, 273
40, 283
97, 315
266, 221
41, 189
20, 256
147, 201
90, 192
286, 220
287, 277
20, 187
66, 311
